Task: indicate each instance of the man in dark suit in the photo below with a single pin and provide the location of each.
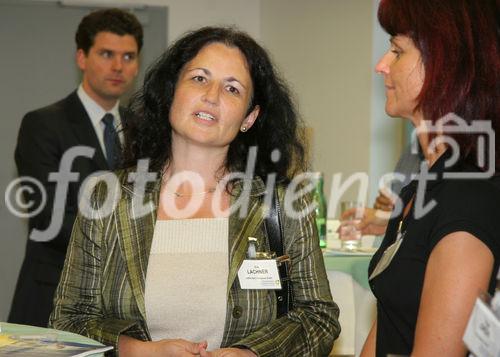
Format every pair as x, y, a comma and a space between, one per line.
108, 44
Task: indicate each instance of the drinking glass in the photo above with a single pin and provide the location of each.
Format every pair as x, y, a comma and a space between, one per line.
350, 236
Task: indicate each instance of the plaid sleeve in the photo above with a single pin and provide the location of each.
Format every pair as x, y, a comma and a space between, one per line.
312, 326
77, 301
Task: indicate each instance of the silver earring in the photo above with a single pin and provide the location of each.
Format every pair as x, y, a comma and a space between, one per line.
243, 129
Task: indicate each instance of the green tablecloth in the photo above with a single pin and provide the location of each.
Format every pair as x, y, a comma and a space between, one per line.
356, 266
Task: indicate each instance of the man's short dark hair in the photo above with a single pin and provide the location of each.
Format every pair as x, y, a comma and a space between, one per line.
116, 21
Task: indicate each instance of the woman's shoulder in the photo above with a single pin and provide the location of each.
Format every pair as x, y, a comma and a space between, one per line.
469, 205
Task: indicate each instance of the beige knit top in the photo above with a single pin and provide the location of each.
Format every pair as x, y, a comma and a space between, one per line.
186, 280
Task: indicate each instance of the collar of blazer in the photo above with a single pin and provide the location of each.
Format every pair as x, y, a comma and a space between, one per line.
136, 234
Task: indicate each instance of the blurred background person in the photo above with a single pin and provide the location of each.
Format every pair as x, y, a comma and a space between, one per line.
431, 266
108, 43
374, 220
166, 283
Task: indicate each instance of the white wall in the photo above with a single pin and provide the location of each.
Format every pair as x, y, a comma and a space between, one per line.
386, 133
189, 14
324, 48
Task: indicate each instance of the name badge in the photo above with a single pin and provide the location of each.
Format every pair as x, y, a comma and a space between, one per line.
259, 274
386, 258
483, 329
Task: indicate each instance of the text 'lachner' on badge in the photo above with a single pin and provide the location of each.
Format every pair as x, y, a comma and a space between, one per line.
259, 274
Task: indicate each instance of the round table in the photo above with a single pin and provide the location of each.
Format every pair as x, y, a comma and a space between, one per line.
356, 265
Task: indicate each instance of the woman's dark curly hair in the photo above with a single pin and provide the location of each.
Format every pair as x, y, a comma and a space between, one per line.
278, 126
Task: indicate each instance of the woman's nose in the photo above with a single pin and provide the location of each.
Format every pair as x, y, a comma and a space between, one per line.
212, 94
383, 65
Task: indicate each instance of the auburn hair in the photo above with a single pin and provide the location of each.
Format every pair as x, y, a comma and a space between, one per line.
459, 44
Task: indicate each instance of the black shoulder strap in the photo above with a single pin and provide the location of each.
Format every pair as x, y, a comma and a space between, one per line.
274, 231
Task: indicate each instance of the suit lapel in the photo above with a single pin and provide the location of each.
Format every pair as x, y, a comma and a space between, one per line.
242, 228
136, 236
83, 128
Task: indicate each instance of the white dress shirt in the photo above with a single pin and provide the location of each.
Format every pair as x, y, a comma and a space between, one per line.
96, 113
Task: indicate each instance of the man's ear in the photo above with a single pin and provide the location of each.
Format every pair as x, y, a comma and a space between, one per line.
251, 118
81, 59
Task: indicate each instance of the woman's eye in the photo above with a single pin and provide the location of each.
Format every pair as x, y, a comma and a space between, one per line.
396, 52
200, 79
233, 90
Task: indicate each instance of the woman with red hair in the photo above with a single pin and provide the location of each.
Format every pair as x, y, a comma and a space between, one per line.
442, 249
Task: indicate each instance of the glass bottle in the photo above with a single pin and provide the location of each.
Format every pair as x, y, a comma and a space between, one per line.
320, 208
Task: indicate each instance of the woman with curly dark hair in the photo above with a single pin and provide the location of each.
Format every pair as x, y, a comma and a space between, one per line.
276, 128
220, 131
441, 250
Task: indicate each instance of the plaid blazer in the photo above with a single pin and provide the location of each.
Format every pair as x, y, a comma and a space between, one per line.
101, 291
